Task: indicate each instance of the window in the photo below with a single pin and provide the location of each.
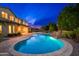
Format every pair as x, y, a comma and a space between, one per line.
17, 20
0, 28
24, 23
4, 15
13, 29
9, 28
11, 18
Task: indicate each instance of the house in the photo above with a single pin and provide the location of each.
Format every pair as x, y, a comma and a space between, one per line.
10, 23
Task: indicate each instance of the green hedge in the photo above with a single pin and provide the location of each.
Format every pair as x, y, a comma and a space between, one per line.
68, 34
71, 34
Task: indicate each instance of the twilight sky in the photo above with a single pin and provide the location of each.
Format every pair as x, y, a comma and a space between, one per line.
36, 13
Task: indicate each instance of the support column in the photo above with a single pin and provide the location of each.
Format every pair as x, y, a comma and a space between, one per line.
4, 29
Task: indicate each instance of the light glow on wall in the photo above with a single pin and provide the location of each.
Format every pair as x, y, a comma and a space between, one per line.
0, 28
24, 30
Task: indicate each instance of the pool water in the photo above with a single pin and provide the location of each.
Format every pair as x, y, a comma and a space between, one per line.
39, 44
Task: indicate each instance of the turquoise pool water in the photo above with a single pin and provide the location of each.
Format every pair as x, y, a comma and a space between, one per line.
39, 44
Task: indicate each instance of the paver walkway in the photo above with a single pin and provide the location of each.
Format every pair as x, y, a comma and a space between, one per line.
4, 46
75, 47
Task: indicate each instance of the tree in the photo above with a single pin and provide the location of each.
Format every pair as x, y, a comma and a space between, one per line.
69, 18
50, 27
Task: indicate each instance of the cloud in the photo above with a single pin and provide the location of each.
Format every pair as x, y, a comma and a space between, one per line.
30, 20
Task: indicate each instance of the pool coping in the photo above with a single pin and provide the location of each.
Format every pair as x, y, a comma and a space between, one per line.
65, 51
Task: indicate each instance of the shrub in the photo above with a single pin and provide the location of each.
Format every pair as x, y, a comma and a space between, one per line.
72, 35
66, 34
14, 34
76, 31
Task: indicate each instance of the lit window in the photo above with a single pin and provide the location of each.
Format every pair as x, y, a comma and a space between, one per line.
4, 15
16, 20
19, 21
24, 23
11, 18
13, 29
0, 28
10, 29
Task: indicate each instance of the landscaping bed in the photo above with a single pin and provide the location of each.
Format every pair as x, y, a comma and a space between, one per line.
74, 35
14, 35
3, 38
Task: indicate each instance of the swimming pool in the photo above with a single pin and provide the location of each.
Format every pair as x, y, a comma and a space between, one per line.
39, 44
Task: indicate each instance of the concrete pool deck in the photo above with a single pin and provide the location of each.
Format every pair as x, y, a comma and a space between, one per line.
4, 46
